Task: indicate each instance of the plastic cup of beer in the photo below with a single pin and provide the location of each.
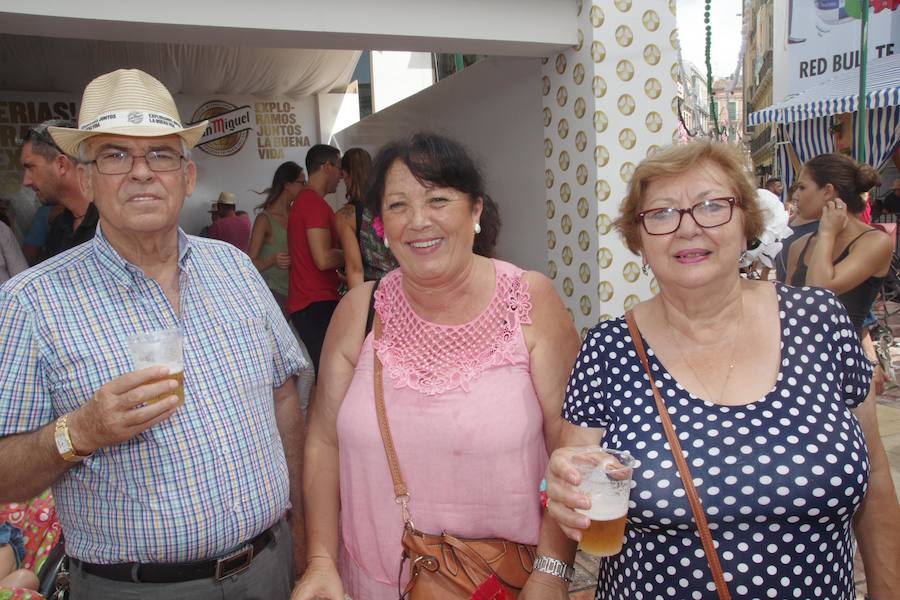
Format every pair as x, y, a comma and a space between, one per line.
606, 478
161, 348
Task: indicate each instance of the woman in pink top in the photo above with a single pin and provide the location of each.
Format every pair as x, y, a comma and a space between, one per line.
476, 353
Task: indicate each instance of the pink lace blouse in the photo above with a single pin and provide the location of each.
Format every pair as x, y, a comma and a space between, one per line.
467, 425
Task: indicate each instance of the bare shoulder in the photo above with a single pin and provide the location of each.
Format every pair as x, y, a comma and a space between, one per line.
261, 221
353, 309
540, 287
345, 214
549, 317
545, 300
879, 241
761, 294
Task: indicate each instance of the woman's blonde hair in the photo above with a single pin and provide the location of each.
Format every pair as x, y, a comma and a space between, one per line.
677, 160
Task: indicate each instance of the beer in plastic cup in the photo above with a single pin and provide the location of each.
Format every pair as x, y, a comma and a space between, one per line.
160, 348
606, 477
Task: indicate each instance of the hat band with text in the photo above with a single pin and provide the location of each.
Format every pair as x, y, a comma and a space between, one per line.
131, 118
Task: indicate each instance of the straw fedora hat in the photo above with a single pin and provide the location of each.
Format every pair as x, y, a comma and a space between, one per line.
126, 102
227, 198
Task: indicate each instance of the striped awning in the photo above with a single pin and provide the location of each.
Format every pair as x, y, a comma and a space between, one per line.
840, 94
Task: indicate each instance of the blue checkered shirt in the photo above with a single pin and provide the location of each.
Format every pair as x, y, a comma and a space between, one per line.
198, 484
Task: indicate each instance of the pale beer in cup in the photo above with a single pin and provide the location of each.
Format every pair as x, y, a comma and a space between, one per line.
606, 532
161, 348
178, 391
606, 478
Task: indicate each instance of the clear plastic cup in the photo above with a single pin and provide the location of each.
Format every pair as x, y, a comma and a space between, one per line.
606, 477
160, 348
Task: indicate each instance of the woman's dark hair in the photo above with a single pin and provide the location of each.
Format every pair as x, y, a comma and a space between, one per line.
486, 241
357, 163
436, 160
849, 178
285, 173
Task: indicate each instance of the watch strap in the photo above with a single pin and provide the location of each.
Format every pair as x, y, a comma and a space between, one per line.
554, 566
64, 442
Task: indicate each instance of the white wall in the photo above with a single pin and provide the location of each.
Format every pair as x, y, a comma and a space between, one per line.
336, 112
398, 75
493, 107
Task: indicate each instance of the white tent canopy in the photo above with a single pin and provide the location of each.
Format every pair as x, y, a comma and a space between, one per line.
44, 64
838, 95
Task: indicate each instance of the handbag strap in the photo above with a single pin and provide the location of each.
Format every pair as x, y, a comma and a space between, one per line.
400, 492
696, 506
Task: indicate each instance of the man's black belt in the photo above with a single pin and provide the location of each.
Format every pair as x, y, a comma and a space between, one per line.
230, 564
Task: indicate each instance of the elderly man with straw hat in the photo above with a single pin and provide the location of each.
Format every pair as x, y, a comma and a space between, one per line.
159, 497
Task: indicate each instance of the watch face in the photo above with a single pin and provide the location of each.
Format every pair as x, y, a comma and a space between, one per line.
62, 442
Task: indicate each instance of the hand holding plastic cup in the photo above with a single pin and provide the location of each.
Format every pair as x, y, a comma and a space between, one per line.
606, 478
160, 348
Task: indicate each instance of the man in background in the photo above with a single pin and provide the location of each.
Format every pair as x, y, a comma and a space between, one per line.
51, 175
228, 226
776, 186
315, 255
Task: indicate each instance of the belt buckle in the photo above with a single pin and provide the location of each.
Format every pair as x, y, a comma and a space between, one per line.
235, 563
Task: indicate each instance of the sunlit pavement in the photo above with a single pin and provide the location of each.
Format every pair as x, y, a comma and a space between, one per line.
586, 566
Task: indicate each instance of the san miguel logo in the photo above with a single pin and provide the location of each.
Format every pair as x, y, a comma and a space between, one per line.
228, 127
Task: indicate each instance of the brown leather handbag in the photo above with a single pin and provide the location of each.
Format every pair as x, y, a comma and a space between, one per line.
443, 566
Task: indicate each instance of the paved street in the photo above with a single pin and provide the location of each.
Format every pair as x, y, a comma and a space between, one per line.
586, 566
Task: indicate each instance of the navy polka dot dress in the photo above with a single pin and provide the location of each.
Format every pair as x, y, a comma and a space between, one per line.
780, 478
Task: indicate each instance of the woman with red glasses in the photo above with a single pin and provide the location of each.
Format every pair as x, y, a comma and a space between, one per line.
758, 389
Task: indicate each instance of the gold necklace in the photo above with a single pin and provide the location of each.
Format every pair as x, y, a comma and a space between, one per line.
731, 361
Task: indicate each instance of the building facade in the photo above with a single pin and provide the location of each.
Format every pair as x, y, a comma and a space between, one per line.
730, 109
757, 85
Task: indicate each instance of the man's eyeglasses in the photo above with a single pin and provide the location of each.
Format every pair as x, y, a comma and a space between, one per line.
713, 212
119, 162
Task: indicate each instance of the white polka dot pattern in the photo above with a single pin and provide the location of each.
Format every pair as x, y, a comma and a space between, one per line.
606, 105
780, 478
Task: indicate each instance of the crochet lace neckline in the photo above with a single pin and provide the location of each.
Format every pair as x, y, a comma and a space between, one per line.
433, 358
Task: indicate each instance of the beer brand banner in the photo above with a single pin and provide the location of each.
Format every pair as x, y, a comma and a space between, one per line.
244, 142
823, 38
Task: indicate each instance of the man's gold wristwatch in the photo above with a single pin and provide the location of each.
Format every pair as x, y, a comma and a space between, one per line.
64, 442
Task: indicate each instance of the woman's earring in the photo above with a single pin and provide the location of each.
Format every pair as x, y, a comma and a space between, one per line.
477, 228
742, 257
645, 269
386, 244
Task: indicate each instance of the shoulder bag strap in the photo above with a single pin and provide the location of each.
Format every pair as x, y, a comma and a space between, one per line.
370, 316
696, 506
400, 491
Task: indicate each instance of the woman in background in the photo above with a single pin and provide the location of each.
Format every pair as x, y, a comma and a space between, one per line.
269, 249
365, 256
268, 240
844, 255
